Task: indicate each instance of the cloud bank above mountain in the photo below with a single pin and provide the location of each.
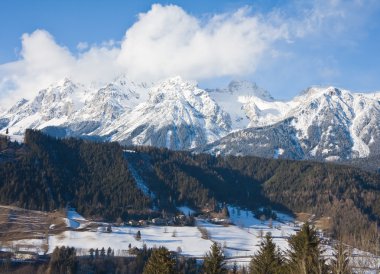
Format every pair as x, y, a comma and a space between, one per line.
167, 41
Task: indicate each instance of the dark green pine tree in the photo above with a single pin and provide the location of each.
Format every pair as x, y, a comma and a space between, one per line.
268, 260
160, 262
63, 261
214, 261
109, 251
97, 253
340, 261
235, 268
305, 252
225, 212
91, 251
138, 236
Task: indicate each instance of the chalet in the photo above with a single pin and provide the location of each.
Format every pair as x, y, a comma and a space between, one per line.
25, 255
133, 223
142, 223
159, 221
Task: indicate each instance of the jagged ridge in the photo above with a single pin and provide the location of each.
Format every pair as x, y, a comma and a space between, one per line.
242, 119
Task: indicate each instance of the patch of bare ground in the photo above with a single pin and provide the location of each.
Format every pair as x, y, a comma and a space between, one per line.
323, 223
17, 224
303, 216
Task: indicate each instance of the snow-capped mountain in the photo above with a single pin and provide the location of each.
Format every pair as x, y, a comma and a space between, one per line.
67, 108
174, 113
105, 106
177, 115
52, 106
241, 119
321, 123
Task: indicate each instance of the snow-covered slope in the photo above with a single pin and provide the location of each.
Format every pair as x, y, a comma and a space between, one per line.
320, 123
174, 113
249, 105
177, 115
52, 106
105, 106
71, 109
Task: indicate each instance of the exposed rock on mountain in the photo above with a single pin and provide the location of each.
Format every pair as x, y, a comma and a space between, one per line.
320, 123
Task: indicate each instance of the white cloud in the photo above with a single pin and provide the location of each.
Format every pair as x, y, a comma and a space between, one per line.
331, 18
82, 46
42, 61
167, 41
163, 42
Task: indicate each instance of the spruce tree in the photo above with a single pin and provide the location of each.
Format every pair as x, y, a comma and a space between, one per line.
97, 253
235, 268
138, 235
225, 212
63, 261
160, 262
305, 253
214, 261
268, 260
91, 251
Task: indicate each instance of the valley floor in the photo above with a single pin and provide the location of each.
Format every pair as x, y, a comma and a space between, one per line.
240, 240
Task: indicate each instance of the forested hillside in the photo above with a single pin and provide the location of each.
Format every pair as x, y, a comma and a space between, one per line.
371, 163
53, 173
349, 196
47, 173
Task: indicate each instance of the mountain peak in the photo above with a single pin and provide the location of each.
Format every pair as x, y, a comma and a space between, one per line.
244, 88
320, 90
65, 82
178, 81
249, 88
173, 89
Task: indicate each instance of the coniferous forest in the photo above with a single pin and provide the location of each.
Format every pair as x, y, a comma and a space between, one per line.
46, 173
49, 174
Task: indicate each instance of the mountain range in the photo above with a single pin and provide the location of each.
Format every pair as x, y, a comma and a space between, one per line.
321, 123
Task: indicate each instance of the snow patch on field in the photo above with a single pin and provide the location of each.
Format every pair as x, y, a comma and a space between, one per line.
73, 215
186, 210
187, 238
71, 223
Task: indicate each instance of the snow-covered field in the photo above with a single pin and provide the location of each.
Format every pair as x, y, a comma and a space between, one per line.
239, 240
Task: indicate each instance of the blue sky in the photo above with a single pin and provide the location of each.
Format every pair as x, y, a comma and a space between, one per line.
73, 21
284, 46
